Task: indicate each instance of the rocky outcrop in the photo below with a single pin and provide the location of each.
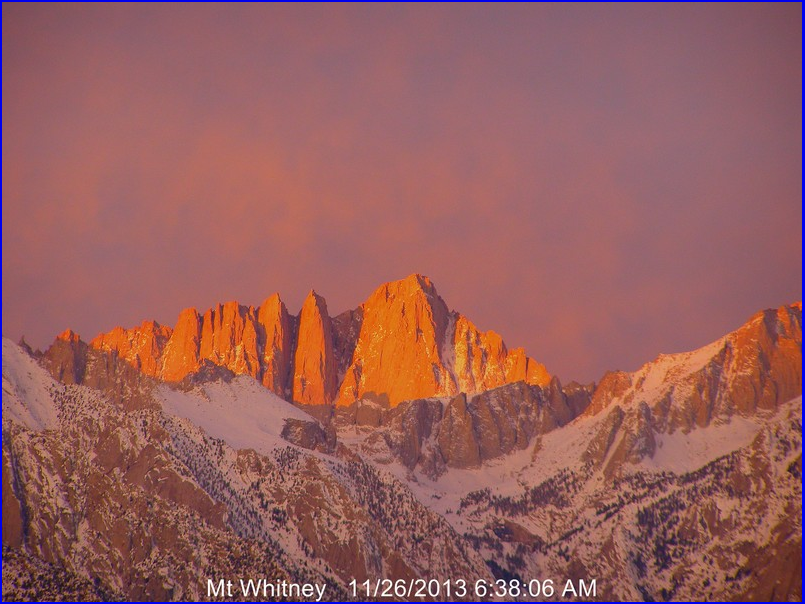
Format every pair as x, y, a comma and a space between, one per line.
412, 346
482, 362
181, 355
521, 368
398, 353
238, 339
433, 434
275, 336
636, 442
410, 426
764, 358
229, 338
480, 358
402, 344
140, 346
578, 396
309, 435
756, 367
600, 444
66, 359
315, 367
508, 417
457, 441
612, 387
71, 361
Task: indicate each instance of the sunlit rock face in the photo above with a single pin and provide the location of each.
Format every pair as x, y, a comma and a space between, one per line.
315, 367
412, 346
482, 361
403, 343
140, 346
181, 354
398, 355
229, 338
757, 366
275, 331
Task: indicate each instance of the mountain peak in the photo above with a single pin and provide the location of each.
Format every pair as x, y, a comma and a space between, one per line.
418, 281
756, 366
412, 346
273, 300
313, 298
315, 379
402, 343
412, 285
68, 335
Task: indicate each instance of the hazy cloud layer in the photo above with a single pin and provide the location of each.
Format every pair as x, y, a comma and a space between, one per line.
598, 184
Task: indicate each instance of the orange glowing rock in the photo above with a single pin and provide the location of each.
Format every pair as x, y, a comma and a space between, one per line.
522, 368
482, 361
403, 343
68, 335
181, 356
480, 357
757, 366
398, 354
275, 330
411, 346
229, 338
140, 346
315, 367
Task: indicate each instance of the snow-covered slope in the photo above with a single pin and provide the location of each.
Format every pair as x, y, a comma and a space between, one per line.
560, 449
715, 523
241, 412
26, 390
681, 480
755, 367
147, 501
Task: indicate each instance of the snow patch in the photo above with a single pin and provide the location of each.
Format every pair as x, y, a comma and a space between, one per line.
681, 453
26, 390
242, 412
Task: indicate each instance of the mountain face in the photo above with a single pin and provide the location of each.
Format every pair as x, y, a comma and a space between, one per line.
402, 343
431, 435
755, 368
149, 501
411, 346
315, 365
144, 463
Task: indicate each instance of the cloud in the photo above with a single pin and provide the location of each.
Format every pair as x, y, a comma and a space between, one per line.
598, 184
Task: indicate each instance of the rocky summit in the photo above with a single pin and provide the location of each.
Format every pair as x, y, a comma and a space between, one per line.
402, 343
396, 441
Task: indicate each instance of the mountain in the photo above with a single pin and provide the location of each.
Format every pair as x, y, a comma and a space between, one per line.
154, 458
754, 369
149, 500
402, 343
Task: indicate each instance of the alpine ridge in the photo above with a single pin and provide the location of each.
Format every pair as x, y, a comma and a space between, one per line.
139, 465
402, 343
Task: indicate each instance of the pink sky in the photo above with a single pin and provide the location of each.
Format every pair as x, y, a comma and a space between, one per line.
598, 184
